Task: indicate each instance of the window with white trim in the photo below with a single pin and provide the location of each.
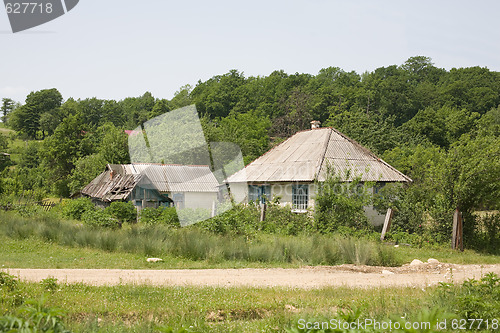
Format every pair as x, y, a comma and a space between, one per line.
300, 196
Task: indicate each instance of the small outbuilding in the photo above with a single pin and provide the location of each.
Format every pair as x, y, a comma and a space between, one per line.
154, 185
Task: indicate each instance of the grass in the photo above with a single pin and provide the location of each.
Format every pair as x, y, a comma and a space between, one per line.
44, 243
4, 130
193, 244
35, 253
446, 254
142, 308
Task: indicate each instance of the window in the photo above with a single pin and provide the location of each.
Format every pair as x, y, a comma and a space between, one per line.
259, 193
300, 197
179, 200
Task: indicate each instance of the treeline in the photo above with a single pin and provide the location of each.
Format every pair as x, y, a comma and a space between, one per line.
440, 127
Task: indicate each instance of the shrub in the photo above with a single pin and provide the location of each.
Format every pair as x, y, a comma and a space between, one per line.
341, 203
474, 299
34, 317
100, 218
29, 211
122, 211
161, 215
49, 284
76, 208
487, 232
190, 216
8, 281
239, 220
283, 221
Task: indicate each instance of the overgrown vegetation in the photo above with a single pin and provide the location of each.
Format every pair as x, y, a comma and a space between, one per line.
144, 308
439, 127
195, 243
340, 204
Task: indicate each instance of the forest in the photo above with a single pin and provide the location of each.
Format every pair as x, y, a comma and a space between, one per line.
440, 127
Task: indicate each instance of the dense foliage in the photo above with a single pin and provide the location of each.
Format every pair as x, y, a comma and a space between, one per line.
339, 204
440, 127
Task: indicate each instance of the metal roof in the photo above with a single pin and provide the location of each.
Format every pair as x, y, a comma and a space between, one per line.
307, 155
119, 180
108, 188
177, 178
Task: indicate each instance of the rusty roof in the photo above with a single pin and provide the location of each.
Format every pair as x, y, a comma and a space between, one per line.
109, 188
307, 155
118, 181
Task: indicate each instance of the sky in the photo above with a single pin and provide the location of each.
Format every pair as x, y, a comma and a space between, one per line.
114, 49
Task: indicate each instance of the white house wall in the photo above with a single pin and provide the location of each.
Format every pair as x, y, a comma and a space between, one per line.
284, 191
199, 200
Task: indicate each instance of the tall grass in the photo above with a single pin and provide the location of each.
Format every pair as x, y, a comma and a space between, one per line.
197, 244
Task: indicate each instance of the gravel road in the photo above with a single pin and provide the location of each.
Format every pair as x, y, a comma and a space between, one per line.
308, 277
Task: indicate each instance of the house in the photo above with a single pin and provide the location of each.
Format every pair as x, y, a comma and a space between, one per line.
291, 169
154, 185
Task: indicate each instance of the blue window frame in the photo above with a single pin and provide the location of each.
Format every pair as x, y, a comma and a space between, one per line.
259, 193
300, 197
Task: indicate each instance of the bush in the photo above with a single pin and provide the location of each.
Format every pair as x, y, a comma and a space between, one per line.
190, 216
161, 215
240, 220
487, 232
122, 211
100, 218
283, 221
76, 208
474, 299
49, 284
8, 281
29, 211
34, 317
341, 203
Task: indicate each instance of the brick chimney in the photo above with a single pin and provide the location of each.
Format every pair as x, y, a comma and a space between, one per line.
315, 124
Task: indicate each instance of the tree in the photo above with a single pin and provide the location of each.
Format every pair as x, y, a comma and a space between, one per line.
137, 109
86, 169
246, 130
114, 145
60, 151
340, 204
8, 105
26, 119
182, 97
49, 122
217, 96
430, 124
90, 111
161, 107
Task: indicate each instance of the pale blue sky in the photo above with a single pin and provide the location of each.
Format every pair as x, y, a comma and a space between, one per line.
116, 49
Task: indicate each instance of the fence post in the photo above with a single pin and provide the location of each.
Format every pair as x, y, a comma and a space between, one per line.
214, 209
263, 208
387, 223
457, 241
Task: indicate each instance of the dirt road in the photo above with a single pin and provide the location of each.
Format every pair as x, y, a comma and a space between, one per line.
308, 277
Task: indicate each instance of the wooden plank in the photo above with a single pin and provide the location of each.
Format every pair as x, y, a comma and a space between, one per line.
460, 235
454, 231
457, 232
387, 223
263, 212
